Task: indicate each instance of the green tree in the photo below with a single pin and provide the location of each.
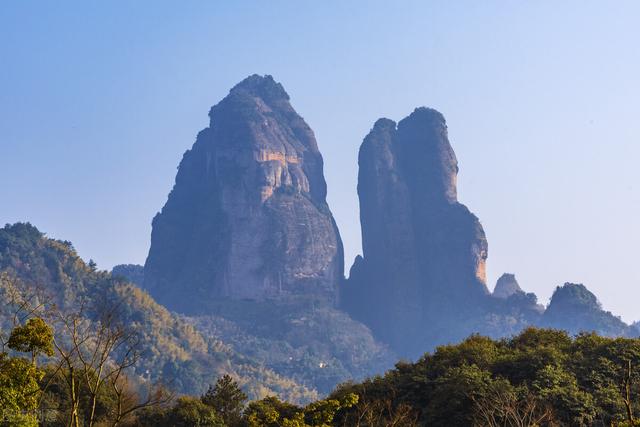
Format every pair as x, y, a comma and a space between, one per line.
19, 390
227, 399
323, 412
191, 412
35, 337
272, 412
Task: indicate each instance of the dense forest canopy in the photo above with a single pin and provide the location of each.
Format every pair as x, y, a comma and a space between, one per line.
541, 377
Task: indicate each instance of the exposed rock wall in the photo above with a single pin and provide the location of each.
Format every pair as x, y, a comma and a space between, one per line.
247, 217
423, 252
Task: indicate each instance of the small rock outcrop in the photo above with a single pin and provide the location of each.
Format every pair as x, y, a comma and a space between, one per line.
424, 254
247, 217
575, 309
506, 286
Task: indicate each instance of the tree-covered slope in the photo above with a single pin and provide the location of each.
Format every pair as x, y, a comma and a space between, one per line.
575, 309
317, 346
172, 350
541, 377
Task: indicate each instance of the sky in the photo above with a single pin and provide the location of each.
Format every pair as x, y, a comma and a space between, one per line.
99, 100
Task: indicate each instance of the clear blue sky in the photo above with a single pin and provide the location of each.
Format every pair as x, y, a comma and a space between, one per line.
98, 101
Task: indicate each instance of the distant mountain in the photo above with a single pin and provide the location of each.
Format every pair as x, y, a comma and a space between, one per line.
247, 217
575, 309
506, 286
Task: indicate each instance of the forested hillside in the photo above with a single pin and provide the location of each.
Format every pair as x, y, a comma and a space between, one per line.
292, 352
48, 277
541, 377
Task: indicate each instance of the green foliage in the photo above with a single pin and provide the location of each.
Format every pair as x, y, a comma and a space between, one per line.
19, 390
191, 412
187, 412
35, 337
227, 399
323, 412
456, 390
544, 373
271, 412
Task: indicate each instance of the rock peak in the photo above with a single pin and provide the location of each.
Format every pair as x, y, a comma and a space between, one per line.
264, 87
423, 252
574, 294
506, 286
247, 217
425, 114
384, 123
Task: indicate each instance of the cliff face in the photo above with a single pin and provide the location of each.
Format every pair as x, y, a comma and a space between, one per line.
247, 217
423, 252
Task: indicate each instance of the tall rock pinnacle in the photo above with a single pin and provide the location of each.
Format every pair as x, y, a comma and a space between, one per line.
423, 252
247, 217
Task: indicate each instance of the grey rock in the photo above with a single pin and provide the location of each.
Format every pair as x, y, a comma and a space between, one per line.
424, 253
506, 286
247, 217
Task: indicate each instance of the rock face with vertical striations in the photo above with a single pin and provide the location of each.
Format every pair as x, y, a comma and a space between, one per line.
247, 217
422, 273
